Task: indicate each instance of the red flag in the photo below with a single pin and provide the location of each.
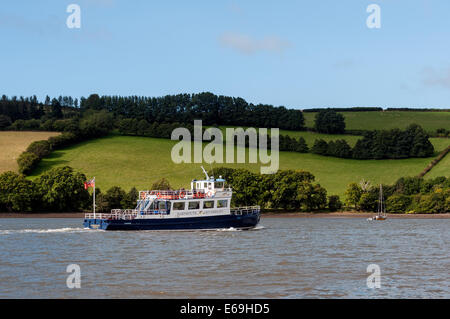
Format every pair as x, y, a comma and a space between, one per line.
90, 183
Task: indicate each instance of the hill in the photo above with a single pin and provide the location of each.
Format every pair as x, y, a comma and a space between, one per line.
138, 161
430, 121
14, 143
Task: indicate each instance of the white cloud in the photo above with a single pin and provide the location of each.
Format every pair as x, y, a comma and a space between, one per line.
441, 78
247, 45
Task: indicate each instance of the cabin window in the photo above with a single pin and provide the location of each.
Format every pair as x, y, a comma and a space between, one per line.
194, 205
208, 204
178, 206
205, 185
223, 203
162, 205
219, 184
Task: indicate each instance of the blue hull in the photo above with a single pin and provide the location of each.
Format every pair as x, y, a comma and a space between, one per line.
192, 223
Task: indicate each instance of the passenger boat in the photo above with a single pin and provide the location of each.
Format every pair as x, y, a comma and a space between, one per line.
205, 206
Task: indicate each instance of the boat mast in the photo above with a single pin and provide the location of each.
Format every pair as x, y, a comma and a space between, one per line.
380, 202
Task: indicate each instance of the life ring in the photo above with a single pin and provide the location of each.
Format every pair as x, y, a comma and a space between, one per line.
182, 194
158, 195
209, 194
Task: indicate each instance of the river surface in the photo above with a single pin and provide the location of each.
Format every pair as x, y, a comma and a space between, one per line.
283, 258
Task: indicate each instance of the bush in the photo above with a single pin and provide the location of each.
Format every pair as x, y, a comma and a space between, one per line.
115, 196
27, 162
96, 124
39, 148
398, 203
161, 184
62, 189
334, 203
16, 193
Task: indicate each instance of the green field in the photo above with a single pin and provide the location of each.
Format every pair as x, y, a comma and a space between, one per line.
310, 137
430, 121
441, 169
138, 161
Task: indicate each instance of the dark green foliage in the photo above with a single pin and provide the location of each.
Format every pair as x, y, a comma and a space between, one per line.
39, 148
130, 199
161, 184
96, 124
320, 147
17, 193
334, 203
394, 144
330, 122
433, 203
369, 200
26, 125
407, 195
398, 203
291, 144
184, 108
62, 140
62, 189
293, 190
353, 195
115, 196
27, 162
56, 108
5, 121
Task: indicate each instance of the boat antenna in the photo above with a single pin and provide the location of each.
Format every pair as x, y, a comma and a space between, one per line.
212, 169
206, 174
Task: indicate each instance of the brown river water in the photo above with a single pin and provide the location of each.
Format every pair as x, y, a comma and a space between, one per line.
282, 258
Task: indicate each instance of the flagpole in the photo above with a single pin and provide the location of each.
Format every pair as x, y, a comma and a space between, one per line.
94, 197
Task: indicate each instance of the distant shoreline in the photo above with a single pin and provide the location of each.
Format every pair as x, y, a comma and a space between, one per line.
353, 215
263, 215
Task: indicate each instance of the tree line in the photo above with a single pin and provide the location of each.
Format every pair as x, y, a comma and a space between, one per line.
385, 144
62, 189
182, 108
407, 195
286, 189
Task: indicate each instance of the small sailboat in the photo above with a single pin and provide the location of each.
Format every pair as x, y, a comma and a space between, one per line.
381, 213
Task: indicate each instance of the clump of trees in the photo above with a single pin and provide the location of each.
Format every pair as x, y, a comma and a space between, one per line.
394, 144
58, 190
407, 195
385, 144
287, 189
328, 121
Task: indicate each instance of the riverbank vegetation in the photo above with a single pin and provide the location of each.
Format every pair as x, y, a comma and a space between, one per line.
406, 195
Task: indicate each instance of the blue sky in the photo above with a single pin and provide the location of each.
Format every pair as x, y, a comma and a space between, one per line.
300, 54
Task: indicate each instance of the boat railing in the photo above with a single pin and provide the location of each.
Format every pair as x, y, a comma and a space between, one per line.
247, 210
180, 194
126, 214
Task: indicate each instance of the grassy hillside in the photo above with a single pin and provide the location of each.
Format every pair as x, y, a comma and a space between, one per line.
430, 121
441, 169
12, 144
138, 161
